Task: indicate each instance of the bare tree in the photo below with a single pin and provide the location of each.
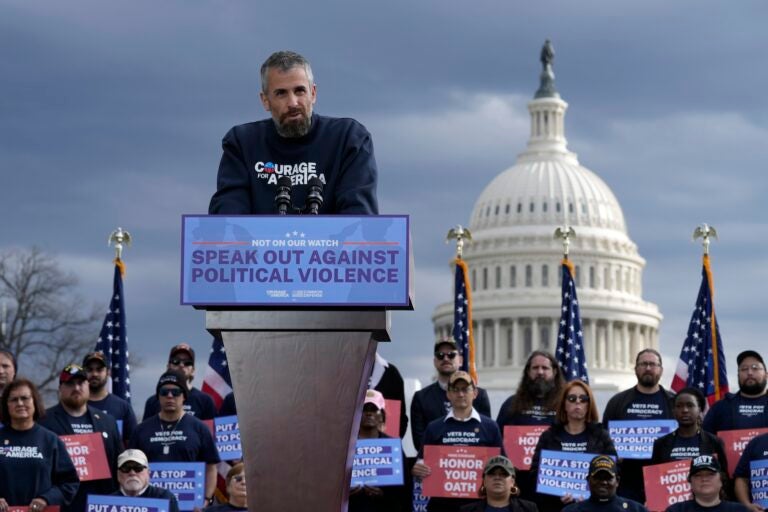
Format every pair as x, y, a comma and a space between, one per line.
44, 322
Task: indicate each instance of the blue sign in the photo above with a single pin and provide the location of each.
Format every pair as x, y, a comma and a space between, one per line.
377, 462
333, 260
184, 479
420, 501
758, 477
98, 503
227, 431
634, 439
562, 473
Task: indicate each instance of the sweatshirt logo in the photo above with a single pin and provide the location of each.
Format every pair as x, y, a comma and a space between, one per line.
300, 173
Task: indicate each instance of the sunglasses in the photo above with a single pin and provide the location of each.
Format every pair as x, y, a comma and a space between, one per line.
582, 399
174, 392
238, 478
182, 362
128, 467
443, 355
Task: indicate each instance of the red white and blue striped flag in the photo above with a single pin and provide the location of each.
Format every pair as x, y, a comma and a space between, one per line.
462, 319
113, 338
217, 381
702, 360
570, 337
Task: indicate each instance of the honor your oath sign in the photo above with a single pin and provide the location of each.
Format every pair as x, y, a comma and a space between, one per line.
457, 471
295, 260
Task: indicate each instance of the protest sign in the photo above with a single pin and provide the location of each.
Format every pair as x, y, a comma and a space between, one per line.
88, 455
734, 442
634, 439
119, 503
419, 500
457, 471
562, 473
49, 508
666, 484
227, 433
520, 443
392, 425
758, 478
378, 462
184, 479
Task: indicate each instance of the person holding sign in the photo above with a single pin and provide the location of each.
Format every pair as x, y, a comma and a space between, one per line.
462, 426
576, 429
238, 495
35, 469
603, 481
707, 480
73, 416
747, 408
499, 492
689, 440
173, 436
365, 498
756, 450
133, 476
647, 400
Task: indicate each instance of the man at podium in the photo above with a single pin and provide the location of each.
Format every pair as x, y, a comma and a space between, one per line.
322, 155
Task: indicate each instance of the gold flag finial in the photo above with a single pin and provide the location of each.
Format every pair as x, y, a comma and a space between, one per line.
565, 233
462, 235
119, 237
705, 232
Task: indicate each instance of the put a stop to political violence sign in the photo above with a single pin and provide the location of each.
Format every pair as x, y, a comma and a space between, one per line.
457, 471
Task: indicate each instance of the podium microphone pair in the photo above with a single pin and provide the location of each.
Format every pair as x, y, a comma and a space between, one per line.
283, 197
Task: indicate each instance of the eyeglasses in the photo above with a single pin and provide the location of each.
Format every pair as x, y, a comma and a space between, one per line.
174, 392
459, 391
128, 467
182, 362
443, 355
754, 367
20, 399
582, 399
648, 364
238, 478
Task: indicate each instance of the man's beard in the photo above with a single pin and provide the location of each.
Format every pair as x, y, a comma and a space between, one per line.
540, 387
133, 484
647, 380
753, 389
96, 385
294, 128
74, 402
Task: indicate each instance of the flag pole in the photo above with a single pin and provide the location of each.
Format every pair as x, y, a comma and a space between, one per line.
705, 232
463, 236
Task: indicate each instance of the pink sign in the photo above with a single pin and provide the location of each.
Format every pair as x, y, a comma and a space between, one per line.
735, 441
49, 508
520, 443
88, 455
392, 425
457, 471
666, 484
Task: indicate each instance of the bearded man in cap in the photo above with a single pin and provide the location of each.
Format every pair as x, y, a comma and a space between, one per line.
133, 476
95, 366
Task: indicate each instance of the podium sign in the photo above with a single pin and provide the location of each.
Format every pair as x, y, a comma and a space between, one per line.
306, 260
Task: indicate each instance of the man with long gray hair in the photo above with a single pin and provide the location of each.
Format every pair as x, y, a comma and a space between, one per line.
296, 143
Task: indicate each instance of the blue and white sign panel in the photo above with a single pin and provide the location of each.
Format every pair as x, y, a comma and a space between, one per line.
98, 503
329, 260
562, 473
634, 438
377, 462
184, 479
227, 431
758, 478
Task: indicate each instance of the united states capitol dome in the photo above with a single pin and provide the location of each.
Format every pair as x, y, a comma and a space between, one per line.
514, 261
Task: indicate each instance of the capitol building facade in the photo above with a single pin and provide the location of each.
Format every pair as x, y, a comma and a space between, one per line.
514, 262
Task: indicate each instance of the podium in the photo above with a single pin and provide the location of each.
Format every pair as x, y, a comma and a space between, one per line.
299, 372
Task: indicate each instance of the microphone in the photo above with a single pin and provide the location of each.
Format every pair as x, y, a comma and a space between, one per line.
283, 196
314, 196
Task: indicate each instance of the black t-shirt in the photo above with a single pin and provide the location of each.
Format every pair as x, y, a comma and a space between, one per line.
693, 506
573, 442
80, 424
118, 409
223, 507
648, 407
187, 440
685, 448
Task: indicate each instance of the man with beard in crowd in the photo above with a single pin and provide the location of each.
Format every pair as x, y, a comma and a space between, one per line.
95, 366
432, 402
133, 477
534, 403
72, 416
747, 408
647, 400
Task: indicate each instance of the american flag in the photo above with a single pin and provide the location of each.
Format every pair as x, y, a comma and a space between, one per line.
113, 339
570, 337
462, 319
217, 381
702, 361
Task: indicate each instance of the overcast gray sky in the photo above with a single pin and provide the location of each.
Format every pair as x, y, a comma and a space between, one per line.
111, 114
